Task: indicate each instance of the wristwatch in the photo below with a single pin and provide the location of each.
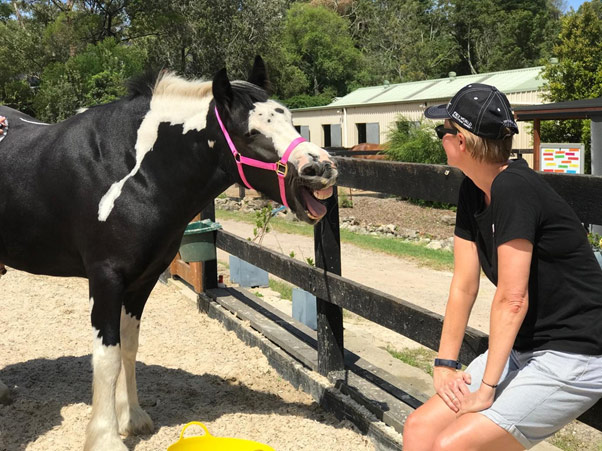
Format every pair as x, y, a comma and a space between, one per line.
448, 363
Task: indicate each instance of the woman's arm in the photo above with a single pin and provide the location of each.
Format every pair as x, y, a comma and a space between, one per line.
508, 311
462, 294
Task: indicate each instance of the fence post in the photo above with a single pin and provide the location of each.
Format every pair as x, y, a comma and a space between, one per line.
327, 245
209, 268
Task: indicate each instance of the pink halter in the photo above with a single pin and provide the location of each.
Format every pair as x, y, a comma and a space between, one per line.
279, 167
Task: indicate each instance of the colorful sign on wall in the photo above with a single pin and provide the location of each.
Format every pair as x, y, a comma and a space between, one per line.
564, 158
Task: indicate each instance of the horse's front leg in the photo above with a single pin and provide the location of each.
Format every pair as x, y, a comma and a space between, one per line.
106, 297
132, 419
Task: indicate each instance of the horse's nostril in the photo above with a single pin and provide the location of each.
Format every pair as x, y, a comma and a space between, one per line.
309, 170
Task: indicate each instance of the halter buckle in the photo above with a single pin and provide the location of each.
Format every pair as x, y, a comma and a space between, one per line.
281, 169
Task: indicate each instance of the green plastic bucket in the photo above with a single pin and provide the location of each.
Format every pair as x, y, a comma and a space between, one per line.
198, 242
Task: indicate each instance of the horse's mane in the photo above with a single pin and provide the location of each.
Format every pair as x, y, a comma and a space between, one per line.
246, 93
167, 83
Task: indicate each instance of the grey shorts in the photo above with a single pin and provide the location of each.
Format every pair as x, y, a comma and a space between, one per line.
541, 391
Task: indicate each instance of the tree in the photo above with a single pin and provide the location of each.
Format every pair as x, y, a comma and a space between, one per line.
97, 75
505, 35
577, 74
317, 40
403, 40
200, 37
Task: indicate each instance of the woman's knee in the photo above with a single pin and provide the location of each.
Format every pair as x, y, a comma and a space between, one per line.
417, 426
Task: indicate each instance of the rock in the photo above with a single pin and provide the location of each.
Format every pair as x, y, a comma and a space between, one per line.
435, 245
4, 394
448, 219
407, 233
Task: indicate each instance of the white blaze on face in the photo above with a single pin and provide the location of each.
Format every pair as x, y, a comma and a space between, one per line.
188, 110
275, 122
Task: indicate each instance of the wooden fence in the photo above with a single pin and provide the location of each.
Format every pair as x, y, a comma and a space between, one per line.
428, 182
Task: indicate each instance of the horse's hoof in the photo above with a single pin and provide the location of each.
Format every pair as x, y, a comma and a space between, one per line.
138, 422
4, 394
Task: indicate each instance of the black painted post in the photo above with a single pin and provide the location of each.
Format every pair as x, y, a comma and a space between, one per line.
327, 244
209, 268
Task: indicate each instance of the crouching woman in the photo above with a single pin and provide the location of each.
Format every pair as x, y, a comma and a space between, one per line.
543, 367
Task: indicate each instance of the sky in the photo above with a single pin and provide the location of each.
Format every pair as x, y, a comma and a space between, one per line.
574, 4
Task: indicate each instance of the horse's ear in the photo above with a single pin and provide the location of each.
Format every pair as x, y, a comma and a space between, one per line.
259, 74
222, 89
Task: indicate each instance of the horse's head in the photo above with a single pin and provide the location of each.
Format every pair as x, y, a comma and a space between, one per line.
260, 131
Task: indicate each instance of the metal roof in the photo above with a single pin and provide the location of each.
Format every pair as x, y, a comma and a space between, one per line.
574, 109
508, 81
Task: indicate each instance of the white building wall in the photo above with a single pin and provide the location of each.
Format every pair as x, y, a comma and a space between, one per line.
386, 114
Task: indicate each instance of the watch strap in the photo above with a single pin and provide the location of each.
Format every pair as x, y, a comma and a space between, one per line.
448, 363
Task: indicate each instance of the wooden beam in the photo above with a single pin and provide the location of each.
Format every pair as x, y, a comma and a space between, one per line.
432, 182
327, 248
536, 144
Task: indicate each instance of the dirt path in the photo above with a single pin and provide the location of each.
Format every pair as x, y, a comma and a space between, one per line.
189, 368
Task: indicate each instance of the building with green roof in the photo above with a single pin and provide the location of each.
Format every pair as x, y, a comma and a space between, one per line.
366, 114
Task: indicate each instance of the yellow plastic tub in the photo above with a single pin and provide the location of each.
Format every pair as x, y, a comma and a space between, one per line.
208, 442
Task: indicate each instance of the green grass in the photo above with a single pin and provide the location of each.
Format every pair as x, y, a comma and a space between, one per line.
283, 288
421, 358
435, 259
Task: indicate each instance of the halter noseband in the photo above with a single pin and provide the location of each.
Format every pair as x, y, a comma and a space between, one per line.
279, 167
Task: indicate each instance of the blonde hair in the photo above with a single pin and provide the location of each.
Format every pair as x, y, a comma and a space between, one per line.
486, 149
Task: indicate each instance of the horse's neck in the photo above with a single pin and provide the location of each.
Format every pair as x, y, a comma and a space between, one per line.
179, 164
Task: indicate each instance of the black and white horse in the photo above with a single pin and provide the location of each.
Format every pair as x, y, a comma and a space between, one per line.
107, 194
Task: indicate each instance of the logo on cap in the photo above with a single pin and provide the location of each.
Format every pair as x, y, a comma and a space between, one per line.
462, 120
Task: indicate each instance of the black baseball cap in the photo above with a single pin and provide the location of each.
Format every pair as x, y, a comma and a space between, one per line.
480, 109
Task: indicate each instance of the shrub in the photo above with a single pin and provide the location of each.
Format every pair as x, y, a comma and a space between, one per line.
414, 143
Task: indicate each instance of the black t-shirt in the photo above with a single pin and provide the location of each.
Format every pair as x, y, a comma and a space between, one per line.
565, 282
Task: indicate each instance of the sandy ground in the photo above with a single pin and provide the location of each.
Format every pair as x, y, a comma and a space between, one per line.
189, 368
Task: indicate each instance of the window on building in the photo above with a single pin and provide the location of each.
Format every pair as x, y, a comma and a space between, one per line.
332, 135
368, 133
303, 130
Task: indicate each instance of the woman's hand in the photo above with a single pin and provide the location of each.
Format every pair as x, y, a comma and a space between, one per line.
451, 386
477, 401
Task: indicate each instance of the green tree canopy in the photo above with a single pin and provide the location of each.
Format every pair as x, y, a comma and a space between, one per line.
318, 42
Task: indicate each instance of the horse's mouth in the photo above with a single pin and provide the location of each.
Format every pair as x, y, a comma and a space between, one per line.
314, 208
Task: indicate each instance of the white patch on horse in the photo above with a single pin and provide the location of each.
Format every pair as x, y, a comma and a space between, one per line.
175, 101
32, 122
211, 143
131, 418
278, 126
103, 427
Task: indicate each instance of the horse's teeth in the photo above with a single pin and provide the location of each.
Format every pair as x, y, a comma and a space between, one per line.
323, 193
